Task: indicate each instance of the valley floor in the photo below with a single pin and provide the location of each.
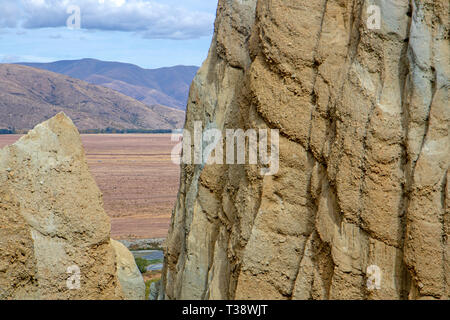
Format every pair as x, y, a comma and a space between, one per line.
138, 180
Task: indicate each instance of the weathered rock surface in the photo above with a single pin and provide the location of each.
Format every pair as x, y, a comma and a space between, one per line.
52, 220
364, 155
154, 290
130, 278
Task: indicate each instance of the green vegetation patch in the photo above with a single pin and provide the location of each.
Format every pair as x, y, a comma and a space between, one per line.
142, 264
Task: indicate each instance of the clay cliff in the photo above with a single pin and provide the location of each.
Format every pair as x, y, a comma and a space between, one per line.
54, 233
361, 194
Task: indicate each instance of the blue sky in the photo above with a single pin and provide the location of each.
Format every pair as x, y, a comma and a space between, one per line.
149, 33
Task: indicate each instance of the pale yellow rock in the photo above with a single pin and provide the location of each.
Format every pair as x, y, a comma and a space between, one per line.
131, 281
54, 233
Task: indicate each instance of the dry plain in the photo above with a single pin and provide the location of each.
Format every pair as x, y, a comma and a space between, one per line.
138, 180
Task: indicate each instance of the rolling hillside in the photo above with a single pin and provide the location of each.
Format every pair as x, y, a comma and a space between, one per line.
29, 96
166, 86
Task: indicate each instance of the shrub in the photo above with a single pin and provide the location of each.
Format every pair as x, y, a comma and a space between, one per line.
142, 264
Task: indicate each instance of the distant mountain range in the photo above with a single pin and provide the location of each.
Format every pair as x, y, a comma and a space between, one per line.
165, 86
29, 96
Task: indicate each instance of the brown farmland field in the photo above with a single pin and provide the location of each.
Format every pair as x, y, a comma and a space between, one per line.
137, 177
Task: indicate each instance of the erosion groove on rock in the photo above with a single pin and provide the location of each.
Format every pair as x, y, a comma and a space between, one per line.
364, 155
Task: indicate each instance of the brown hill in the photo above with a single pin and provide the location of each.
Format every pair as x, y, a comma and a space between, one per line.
167, 86
29, 96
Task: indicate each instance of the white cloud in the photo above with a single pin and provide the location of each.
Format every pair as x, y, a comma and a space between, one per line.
23, 58
149, 18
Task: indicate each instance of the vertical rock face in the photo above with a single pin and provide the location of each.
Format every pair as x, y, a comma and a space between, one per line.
52, 221
362, 190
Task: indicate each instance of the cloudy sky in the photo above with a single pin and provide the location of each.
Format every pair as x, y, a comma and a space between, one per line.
149, 33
